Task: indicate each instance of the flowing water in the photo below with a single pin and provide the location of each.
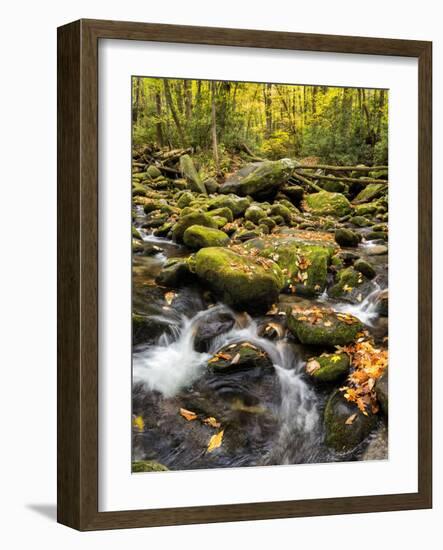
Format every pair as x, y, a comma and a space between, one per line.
274, 418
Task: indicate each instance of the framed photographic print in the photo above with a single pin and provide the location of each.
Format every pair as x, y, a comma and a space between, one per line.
244, 229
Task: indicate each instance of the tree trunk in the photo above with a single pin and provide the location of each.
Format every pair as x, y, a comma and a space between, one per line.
174, 112
158, 124
188, 99
214, 127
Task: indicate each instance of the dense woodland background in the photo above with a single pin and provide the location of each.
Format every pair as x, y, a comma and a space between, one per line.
216, 118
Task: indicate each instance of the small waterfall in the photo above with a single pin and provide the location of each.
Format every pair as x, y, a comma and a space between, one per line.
366, 310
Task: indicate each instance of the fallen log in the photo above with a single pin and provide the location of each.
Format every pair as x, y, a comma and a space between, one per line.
306, 181
342, 168
365, 181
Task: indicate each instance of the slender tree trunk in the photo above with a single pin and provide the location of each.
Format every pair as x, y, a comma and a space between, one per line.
174, 114
188, 99
136, 108
268, 108
158, 125
214, 127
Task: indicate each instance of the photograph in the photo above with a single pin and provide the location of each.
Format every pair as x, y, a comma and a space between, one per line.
259, 274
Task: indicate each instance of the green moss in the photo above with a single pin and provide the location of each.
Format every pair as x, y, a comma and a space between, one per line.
259, 179
194, 218
239, 281
222, 212
365, 268
365, 209
189, 171
136, 233
344, 437
148, 466
254, 213
249, 357
137, 246
237, 205
347, 280
153, 172
333, 367
360, 221
267, 221
325, 203
150, 205
281, 211
198, 236
175, 273
185, 200
370, 192
337, 333
346, 237
138, 190
335, 186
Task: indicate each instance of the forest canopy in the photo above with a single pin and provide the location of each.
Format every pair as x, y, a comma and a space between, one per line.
216, 118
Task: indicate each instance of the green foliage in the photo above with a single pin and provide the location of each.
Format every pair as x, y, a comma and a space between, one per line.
338, 125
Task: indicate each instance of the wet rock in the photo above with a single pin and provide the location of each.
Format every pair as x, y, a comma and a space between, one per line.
294, 192
151, 205
146, 329
344, 437
377, 250
175, 273
155, 218
137, 246
328, 367
325, 203
194, 218
136, 233
382, 302
365, 268
189, 171
347, 280
360, 221
346, 237
152, 250
377, 448
237, 357
239, 281
375, 235
259, 179
163, 230
214, 323
198, 236
148, 466
381, 389
323, 327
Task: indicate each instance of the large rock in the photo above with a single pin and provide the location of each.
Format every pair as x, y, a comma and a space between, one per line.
328, 367
259, 179
198, 236
346, 237
194, 218
348, 280
189, 171
325, 203
215, 322
237, 357
174, 273
370, 192
342, 436
303, 262
246, 283
237, 205
323, 326
381, 389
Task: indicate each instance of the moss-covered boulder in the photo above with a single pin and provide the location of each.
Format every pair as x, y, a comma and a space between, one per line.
153, 172
335, 186
191, 175
323, 327
148, 466
343, 430
360, 221
365, 209
147, 330
222, 213
294, 193
199, 236
136, 233
174, 273
370, 192
259, 179
237, 205
325, 203
254, 213
365, 268
243, 282
241, 356
347, 280
194, 218
346, 237
282, 211
304, 263
185, 199
328, 367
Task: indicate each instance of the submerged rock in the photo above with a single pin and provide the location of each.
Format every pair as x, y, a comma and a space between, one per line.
325, 203
323, 327
342, 436
328, 367
198, 236
243, 282
259, 179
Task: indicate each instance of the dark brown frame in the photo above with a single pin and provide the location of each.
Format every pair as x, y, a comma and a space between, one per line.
77, 480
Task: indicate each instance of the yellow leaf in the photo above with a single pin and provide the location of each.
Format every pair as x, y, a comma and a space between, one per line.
189, 415
169, 296
347, 288
211, 421
335, 358
351, 419
215, 441
138, 423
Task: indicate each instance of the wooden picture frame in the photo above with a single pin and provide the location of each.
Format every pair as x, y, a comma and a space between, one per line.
78, 273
